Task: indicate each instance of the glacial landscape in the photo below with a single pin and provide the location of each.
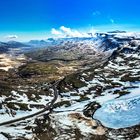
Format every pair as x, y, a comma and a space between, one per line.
72, 88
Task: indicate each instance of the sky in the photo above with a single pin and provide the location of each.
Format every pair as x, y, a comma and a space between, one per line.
39, 19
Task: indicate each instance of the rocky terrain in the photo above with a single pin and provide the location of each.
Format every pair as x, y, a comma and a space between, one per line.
98, 87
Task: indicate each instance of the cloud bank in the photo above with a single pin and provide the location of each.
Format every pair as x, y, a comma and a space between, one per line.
9, 37
68, 32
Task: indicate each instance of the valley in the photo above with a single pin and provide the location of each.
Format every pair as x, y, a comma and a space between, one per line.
98, 90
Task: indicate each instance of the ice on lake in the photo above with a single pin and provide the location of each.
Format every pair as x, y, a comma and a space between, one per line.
122, 112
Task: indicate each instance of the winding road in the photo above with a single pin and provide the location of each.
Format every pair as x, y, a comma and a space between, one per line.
47, 108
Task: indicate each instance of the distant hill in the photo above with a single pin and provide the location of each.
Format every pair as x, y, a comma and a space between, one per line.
4, 47
117, 31
15, 44
37, 43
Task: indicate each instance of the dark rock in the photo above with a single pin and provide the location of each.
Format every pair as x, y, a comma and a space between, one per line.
91, 108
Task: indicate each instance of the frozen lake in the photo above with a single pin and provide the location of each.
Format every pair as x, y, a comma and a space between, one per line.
121, 112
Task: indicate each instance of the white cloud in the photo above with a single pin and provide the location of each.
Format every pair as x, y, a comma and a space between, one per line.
65, 29
55, 32
11, 37
68, 32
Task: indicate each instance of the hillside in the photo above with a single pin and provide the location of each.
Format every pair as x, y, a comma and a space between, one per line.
98, 85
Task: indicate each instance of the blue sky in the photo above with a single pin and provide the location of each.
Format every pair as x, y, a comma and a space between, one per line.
30, 19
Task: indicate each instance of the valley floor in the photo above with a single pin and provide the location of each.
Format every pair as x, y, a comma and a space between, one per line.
9, 62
